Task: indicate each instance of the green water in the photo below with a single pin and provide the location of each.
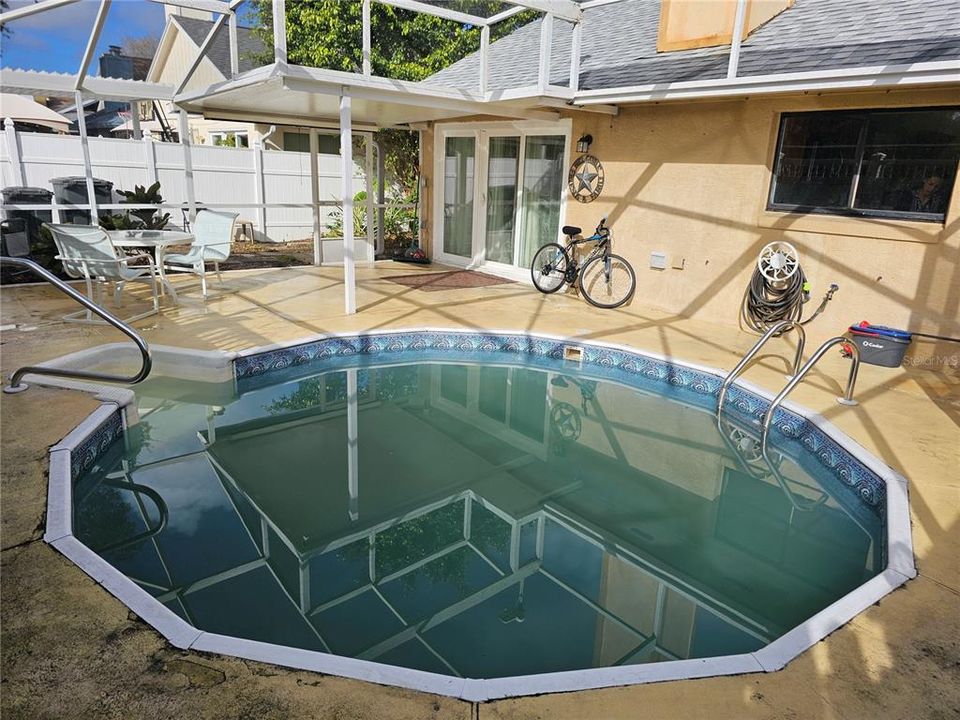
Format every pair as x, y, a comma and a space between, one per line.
469, 520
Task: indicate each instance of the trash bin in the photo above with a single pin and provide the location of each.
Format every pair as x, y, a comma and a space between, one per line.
40, 243
73, 191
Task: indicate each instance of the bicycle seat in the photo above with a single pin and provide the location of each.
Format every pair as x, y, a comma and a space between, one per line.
571, 230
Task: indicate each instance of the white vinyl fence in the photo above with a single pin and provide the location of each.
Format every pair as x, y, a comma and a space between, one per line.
269, 188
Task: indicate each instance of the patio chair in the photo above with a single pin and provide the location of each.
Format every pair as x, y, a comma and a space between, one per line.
87, 252
212, 239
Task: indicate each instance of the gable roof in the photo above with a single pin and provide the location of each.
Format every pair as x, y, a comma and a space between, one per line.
248, 44
619, 45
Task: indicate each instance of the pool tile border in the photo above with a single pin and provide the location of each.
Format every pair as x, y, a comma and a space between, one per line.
84, 445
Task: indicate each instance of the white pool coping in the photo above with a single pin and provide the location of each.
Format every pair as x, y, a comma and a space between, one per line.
210, 367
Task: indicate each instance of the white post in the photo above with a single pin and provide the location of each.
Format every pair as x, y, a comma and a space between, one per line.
367, 67
575, 56
92, 43
738, 21
87, 165
188, 164
546, 46
150, 159
259, 188
484, 58
135, 120
381, 197
13, 152
346, 170
368, 177
279, 31
234, 51
353, 482
315, 196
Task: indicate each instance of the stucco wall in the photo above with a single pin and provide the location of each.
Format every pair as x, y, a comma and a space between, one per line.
691, 180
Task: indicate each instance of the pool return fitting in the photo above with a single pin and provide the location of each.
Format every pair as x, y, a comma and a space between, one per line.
16, 385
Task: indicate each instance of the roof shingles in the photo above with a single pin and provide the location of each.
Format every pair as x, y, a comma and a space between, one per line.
619, 45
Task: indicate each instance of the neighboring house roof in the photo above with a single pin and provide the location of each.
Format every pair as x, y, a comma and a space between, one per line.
619, 45
248, 44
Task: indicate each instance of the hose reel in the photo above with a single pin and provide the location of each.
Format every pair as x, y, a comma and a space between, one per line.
778, 289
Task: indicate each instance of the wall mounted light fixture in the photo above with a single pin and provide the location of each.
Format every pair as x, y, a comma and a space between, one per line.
583, 144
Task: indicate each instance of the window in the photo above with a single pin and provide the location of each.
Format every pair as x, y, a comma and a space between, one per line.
229, 139
867, 163
300, 142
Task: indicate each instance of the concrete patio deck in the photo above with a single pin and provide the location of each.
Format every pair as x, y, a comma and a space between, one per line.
69, 649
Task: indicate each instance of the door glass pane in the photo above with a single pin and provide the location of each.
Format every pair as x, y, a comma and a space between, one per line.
458, 173
502, 197
542, 190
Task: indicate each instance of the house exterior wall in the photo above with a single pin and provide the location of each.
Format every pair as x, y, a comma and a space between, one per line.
692, 179
170, 69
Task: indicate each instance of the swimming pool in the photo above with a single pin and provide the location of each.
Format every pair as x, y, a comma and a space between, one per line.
484, 515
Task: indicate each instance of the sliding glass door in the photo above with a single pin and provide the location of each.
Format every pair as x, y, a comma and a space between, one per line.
501, 196
459, 163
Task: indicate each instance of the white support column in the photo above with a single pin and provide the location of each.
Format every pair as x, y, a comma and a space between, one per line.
738, 20
135, 120
484, 58
546, 47
575, 56
13, 151
368, 178
367, 67
92, 43
150, 159
188, 164
234, 48
87, 165
353, 442
259, 188
315, 196
279, 31
346, 171
381, 197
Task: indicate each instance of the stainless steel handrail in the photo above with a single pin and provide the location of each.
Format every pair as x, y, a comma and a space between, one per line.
778, 328
147, 363
847, 398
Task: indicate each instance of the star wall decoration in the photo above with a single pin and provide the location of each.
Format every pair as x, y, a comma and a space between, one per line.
585, 179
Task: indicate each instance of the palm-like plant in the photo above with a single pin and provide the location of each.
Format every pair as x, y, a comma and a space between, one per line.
141, 195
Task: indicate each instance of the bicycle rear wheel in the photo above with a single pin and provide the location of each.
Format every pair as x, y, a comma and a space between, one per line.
549, 268
607, 282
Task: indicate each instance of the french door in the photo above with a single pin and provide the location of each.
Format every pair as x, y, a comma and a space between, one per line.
500, 193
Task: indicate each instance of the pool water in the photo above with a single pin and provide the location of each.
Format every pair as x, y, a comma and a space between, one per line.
471, 519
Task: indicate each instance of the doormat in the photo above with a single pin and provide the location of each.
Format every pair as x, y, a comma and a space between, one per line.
453, 279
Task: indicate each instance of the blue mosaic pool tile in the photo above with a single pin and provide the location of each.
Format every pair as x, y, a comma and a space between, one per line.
95, 444
610, 362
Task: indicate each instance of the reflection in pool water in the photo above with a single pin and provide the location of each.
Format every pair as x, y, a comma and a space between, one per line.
472, 520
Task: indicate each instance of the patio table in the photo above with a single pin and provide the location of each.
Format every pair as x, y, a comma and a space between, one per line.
156, 240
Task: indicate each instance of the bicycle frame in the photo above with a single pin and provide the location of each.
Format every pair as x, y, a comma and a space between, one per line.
601, 236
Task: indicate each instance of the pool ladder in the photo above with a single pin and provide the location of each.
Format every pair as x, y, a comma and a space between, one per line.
795, 376
146, 364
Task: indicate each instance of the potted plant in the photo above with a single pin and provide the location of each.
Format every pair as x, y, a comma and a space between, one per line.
141, 195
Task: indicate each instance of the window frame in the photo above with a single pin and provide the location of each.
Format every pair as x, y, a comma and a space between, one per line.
866, 114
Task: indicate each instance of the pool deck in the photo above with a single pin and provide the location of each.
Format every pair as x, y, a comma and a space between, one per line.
69, 649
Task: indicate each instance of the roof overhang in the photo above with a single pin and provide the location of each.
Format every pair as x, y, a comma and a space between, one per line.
880, 77
297, 95
35, 82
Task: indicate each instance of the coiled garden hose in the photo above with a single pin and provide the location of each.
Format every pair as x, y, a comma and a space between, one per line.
766, 302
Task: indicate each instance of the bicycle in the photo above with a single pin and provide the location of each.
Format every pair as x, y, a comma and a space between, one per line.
606, 280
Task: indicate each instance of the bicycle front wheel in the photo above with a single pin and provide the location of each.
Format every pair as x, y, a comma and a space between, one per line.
549, 268
607, 282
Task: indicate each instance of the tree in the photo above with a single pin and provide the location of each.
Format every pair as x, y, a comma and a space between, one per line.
404, 45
